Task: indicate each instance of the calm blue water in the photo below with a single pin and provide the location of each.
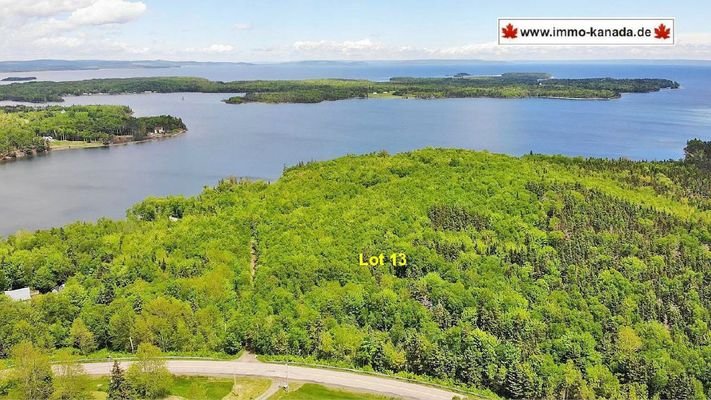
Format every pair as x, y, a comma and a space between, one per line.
258, 140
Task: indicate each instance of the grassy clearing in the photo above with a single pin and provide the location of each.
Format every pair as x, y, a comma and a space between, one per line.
73, 144
99, 386
383, 95
310, 391
248, 388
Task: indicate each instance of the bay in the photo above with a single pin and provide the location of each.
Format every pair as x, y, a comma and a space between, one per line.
259, 140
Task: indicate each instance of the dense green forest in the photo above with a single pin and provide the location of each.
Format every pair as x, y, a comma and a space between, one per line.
24, 129
313, 91
533, 277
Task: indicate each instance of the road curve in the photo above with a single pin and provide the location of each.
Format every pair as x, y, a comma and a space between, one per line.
349, 380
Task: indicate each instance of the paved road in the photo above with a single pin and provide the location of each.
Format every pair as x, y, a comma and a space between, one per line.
343, 379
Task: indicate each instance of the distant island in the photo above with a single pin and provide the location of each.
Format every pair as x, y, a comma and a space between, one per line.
508, 85
27, 131
87, 65
462, 85
19, 78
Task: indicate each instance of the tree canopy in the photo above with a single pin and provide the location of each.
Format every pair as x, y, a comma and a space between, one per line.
533, 277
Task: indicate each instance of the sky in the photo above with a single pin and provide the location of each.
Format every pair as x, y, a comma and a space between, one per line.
293, 30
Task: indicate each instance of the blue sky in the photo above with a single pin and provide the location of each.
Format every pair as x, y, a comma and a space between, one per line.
271, 30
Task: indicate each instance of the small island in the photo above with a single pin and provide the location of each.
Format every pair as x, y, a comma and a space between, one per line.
19, 78
508, 85
27, 131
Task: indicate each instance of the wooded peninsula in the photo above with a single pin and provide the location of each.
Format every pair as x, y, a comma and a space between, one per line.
509, 85
31, 130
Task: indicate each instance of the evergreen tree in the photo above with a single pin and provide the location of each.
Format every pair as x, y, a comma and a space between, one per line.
522, 382
118, 387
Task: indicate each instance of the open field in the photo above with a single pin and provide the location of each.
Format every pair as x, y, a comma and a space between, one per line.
73, 144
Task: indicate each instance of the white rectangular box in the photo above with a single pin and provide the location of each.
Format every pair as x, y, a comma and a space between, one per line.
586, 31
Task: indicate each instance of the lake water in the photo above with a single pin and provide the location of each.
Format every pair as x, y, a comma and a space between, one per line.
258, 140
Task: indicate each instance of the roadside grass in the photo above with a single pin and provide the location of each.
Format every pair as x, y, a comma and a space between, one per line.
310, 391
99, 386
241, 388
207, 388
196, 388
248, 388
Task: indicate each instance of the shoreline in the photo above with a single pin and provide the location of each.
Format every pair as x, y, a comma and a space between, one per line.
21, 155
385, 96
227, 101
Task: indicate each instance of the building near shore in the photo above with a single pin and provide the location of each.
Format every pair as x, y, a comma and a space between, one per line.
19, 294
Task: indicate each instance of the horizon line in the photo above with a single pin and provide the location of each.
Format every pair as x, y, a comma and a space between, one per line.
157, 60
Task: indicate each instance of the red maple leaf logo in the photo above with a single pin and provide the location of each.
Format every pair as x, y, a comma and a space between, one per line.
510, 32
662, 32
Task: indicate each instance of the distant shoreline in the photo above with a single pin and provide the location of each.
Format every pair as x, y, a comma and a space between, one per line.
19, 79
506, 85
81, 145
152, 138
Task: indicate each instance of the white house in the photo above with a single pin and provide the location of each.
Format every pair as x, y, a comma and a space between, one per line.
19, 294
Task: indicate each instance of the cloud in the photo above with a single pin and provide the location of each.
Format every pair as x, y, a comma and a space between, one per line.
212, 49
361, 49
103, 12
93, 29
345, 47
65, 28
689, 46
219, 48
60, 41
242, 26
70, 13
40, 8
22, 21
368, 49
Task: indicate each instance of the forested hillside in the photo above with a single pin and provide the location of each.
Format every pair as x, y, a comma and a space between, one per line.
534, 277
25, 129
